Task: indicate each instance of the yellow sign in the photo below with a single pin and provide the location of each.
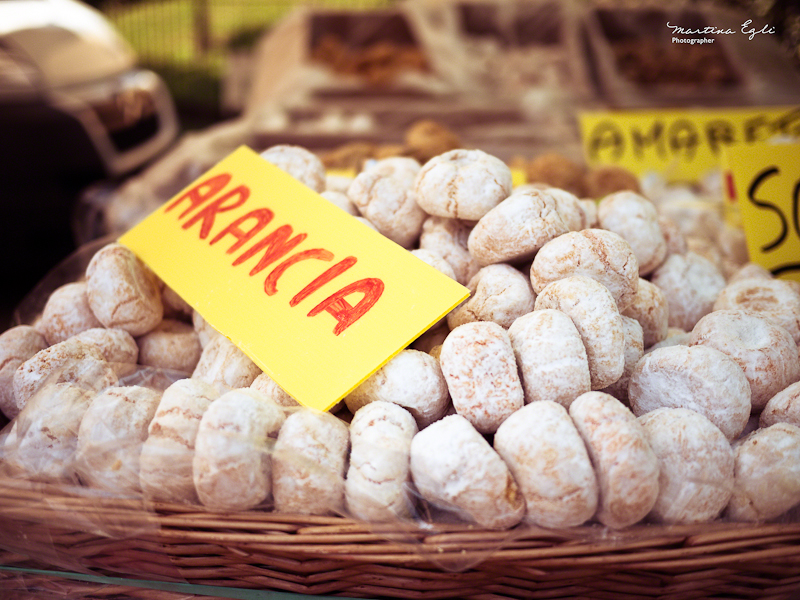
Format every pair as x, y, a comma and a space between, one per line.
315, 298
682, 145
764, 181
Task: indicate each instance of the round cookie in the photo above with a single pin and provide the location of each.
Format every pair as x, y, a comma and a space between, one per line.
765, 351
122, 292
299, 163
625, 465
596, 253
376, 488
111, 436
449, 239
225, 366
480, 369
412, 379
232, 466
17, 345
462, 184
650, 308
267, 386
172, 345
783, 407
634, 350
498, 293
594, 312
309, 462
550, 356
66, 313
695, 463
691, 284
635, 219
773, 298
550, 464
455, 468
700, 378
767, 474
117, 346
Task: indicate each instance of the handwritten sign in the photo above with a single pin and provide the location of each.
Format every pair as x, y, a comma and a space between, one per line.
764, 181
682, 145
316, 299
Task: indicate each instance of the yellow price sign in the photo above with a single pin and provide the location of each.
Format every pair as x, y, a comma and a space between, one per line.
764, 181
318, 300
682, 145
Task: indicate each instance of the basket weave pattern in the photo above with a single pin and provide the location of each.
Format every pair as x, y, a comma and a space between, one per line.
339, 556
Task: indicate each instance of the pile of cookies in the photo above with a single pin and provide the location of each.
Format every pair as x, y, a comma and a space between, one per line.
617, 361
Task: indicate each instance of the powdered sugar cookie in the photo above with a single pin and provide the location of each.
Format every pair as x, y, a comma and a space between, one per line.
650, 308
117, 346
783, 407
269, 388
66, 313
695, 463
17, 345
626, 466
435, 260
594, 312
551, 357
299, 163
498, 293
700, 378
376, 488
340, 199
462, 184
448, 238
455, 468
481, 372
634, 349
773, 298
635, 218
549, 462
170, 345
596, 253
308, 465
225, 366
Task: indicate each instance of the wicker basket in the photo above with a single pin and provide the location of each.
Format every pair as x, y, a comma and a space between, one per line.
339, 556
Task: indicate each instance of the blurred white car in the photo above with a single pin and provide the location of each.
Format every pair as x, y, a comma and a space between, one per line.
72, 99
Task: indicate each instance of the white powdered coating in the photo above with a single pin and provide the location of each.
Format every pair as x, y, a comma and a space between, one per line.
767, 474
205, 332
594, 312
66, 313
695, 463
635, 218
454, 467
590, 212
498, 293
308, 465
232, 466
173, 345
47, 432
462, 184
700, 378
117, 346
449, 238
340, 199
773, 298
122, 292
337, 183
384, 194
435, 260
626, 466
765, 351
225, 366
596, 253
634, 350
673, 236
298, 162
675, 337
517, 228
376, 488
570, 208
783, 407
550, 464
750, 271
691, 284
650, 308
70, 361
551, 357
111, 435
479, 366
267, 386
165, 464
413, 379
17, 345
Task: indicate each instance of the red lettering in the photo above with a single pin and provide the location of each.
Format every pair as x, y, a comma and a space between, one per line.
342, 310
271, 282
331, 273
209, 213
262, 217
277, 245
200, 193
